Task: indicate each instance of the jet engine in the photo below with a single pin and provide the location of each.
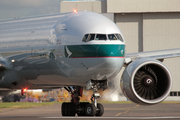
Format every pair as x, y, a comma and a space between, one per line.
2, 69
146, 81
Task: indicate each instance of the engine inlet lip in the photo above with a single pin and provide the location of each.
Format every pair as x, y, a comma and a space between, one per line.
165, 94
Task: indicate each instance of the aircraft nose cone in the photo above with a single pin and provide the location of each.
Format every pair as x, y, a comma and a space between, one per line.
111, 59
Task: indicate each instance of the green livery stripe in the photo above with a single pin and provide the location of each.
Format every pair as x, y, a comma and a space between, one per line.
91, 51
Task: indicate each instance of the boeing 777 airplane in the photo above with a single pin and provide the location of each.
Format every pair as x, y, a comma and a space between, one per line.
75, 51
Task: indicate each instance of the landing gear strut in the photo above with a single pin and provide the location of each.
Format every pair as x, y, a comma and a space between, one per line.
84, 108
70, 108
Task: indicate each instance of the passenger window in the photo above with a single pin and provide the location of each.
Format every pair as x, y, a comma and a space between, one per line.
119, 37
85, 38
112, 37
91, 37
101, 37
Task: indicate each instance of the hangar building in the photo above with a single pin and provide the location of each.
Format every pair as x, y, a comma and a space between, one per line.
146, 25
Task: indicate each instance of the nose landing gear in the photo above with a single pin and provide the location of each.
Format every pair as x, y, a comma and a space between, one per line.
84, 108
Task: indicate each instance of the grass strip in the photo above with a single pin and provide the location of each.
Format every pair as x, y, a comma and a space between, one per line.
117, 102
20, 105
171, 102
111, 102
129, 102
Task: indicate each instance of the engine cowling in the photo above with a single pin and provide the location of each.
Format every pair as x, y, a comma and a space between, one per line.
146, 81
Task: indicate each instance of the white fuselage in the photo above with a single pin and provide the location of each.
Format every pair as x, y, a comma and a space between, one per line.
49, 51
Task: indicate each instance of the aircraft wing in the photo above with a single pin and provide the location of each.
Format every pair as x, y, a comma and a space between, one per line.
158, 54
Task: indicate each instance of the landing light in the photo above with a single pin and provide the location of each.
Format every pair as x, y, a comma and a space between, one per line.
75, 11
25, 89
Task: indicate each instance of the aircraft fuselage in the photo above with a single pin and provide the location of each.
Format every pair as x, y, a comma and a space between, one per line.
50, 50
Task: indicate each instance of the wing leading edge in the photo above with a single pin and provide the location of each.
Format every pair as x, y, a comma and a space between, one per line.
158, 55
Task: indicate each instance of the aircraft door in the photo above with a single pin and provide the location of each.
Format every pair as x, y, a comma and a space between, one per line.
61, 42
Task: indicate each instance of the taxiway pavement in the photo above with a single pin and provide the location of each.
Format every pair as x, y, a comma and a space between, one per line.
163, 111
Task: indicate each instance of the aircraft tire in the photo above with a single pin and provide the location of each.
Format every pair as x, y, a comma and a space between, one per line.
68, 109
100, 110
90, 110
82, 106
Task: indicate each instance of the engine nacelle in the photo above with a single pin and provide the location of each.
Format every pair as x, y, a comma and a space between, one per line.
146, 81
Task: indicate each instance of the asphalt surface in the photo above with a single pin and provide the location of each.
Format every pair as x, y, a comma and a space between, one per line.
115, 111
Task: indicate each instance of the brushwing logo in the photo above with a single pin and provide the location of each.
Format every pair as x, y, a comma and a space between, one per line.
68, 52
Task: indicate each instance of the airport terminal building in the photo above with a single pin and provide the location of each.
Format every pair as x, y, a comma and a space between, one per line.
146, 25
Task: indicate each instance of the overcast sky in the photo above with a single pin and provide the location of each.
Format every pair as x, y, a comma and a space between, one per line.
23, 8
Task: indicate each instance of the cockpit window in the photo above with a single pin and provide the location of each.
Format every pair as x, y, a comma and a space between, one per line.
91, 37
119, 37
101, 37
112, 37
85, 38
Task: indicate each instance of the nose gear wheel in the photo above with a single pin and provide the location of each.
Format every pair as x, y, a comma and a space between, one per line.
83, 108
